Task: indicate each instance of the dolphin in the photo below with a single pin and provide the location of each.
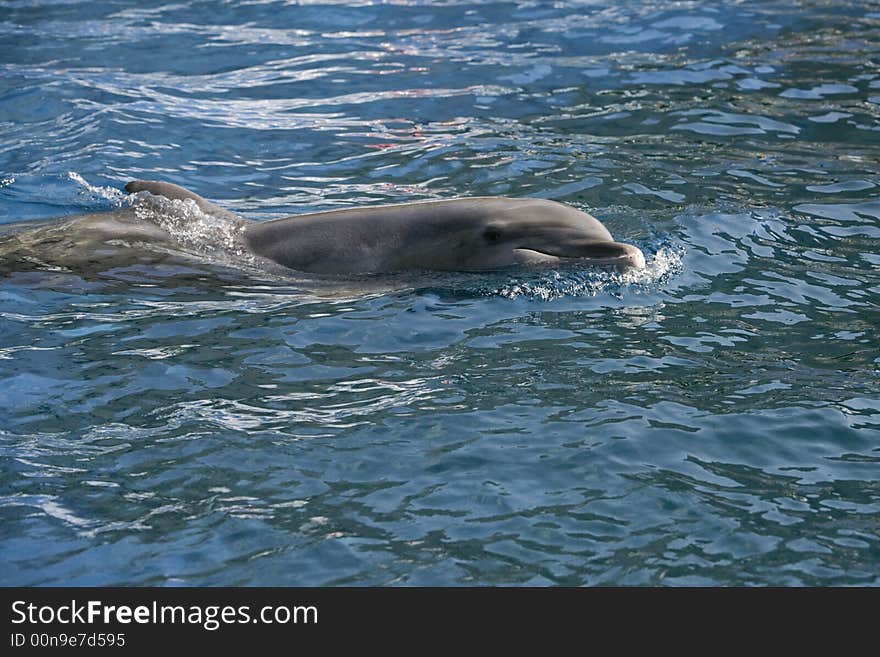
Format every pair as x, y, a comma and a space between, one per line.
466, 234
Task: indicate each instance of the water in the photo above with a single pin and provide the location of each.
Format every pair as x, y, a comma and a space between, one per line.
714, 421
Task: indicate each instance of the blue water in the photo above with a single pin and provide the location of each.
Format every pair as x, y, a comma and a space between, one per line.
715, 420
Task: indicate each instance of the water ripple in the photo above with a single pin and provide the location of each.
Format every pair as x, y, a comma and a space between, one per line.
711, 420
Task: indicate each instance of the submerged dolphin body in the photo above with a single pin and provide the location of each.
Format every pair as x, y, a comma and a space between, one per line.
469, 234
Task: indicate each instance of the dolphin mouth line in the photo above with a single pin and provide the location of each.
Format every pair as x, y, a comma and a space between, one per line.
615, 255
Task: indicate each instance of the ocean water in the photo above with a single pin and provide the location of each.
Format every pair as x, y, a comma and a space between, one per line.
714, 420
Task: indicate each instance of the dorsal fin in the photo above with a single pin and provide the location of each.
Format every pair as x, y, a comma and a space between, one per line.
172, 191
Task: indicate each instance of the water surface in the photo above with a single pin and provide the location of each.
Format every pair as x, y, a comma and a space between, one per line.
714, 421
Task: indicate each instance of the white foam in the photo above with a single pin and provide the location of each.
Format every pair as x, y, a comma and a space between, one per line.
661, 263
107, 193
193, 229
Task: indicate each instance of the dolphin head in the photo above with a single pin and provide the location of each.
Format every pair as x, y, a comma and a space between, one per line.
466, 234
503, 232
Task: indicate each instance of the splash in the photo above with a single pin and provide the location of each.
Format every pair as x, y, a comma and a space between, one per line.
106, 193
191, 228
662, 262
218, 238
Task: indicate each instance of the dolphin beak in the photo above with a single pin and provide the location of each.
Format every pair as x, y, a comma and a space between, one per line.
613, 255
610, 255
631, 258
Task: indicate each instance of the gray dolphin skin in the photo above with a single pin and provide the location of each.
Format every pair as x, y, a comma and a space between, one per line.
468, 234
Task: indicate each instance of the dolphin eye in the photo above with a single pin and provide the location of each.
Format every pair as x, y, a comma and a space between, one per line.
492, 234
